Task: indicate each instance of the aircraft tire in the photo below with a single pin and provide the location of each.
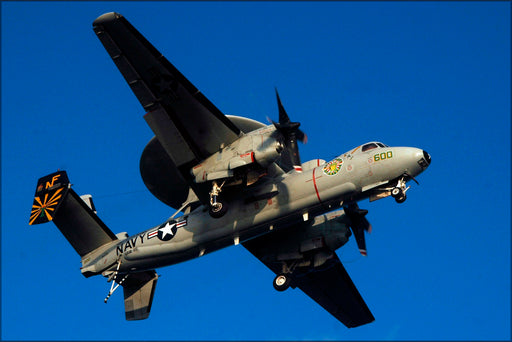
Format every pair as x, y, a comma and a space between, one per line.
219, 211
281, 282
396, 192
401, 199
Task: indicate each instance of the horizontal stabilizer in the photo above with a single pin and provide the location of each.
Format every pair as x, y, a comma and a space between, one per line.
139, 289
56, 201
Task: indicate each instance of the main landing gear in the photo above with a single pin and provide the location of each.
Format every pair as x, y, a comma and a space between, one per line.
217, 208
282, 282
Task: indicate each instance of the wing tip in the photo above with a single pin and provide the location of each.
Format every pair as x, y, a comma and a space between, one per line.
106, 18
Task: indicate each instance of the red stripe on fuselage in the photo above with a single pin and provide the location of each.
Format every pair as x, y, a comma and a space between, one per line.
316, 189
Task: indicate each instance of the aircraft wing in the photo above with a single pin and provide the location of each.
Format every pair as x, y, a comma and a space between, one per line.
330, 286
333, 289
188, 126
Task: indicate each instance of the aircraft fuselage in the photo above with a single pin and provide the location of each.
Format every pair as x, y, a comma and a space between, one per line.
291, 199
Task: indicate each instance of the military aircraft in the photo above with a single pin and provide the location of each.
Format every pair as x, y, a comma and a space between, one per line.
235, 181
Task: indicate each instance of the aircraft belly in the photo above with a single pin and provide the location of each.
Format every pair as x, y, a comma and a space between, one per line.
312, 189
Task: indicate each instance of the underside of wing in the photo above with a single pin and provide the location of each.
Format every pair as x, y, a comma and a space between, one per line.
332, 288
187, 125
188, 128
310, 263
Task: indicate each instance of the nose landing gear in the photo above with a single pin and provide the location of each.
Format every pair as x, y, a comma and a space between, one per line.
399, 195
398, 192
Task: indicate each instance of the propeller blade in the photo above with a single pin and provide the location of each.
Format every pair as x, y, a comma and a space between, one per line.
283, 116
360, 239
293, 148
301, 136
358, 224
291, 134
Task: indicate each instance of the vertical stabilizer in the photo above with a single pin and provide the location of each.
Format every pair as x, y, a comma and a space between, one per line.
50, 193
55, 201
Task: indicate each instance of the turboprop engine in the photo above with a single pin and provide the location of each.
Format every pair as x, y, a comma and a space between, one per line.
313, 244
261, 148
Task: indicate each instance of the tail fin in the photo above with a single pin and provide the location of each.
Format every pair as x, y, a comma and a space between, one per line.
55, 201
50, 192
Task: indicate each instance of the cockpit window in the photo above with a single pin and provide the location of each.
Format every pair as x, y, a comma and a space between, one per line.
381, 145
368, 147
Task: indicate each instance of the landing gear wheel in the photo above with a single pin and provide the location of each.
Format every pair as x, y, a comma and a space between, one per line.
401, 199
281, 282
218, 209
396, 192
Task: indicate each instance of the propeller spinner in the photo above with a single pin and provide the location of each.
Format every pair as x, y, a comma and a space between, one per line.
291, 133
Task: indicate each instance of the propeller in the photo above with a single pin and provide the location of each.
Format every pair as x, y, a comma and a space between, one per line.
358, 224
291, 133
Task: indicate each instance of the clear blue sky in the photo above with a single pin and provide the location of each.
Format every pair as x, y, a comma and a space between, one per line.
434, 75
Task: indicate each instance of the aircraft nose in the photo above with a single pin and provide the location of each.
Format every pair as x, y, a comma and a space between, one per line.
427, 157
425, 160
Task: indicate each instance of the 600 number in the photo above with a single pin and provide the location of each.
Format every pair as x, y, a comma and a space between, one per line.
383, 156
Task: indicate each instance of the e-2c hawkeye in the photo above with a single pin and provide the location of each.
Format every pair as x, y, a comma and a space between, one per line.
234, 181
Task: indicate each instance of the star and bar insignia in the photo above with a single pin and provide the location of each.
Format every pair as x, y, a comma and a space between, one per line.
167, 230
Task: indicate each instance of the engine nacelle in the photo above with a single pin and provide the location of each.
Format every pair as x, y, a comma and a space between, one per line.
326, 234
260, 147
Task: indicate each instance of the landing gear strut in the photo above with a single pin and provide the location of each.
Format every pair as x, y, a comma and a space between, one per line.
217, 208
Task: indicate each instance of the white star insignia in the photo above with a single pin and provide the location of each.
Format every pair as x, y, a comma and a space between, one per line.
167, 229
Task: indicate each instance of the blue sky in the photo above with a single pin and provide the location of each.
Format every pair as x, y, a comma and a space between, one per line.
434, 75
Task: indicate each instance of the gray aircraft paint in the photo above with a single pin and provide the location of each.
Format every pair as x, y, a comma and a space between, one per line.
271, 202
313, 191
